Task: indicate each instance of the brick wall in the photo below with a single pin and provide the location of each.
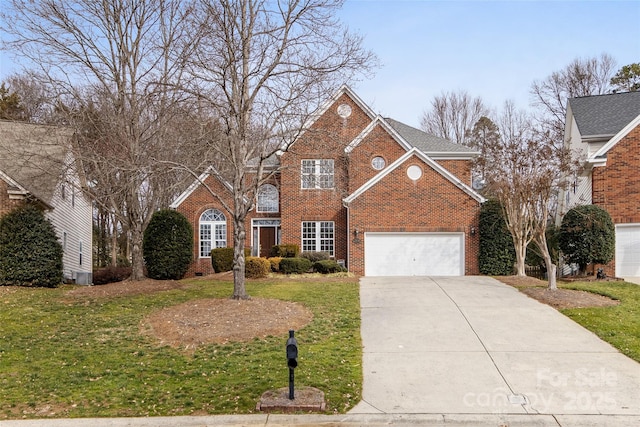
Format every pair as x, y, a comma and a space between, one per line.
398, 204
7, 204
326, 139
616, 186
430, 204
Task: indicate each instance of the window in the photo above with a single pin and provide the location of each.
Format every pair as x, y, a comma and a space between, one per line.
318, 236
80, 252
317, 173
267, 198
213, 231
378, 163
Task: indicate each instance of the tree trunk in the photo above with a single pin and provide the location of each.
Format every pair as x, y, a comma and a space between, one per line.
137, 260
239, 233
551, 274
521, 255
541, 242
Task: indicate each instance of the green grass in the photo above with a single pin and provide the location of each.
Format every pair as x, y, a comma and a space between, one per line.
618, 325
64, 357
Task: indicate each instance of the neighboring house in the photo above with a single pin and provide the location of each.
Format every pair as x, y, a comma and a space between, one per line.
36, 167
379, 196
604, 130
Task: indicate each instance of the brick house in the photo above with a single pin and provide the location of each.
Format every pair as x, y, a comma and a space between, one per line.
380, 196
36, 168
604, 130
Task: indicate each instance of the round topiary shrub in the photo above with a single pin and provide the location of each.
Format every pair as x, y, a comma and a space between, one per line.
30, 253
256, 267
497, 254
587, 236
168, 245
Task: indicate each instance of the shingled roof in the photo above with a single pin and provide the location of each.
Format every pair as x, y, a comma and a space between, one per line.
605, 115
33, 157
426, 142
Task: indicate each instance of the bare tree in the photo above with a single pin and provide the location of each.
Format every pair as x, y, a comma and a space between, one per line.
582, 77
452, 116
36, 99
523, 170
262, 66
109, 64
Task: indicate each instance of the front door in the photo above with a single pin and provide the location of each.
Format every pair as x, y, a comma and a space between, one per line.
267, 240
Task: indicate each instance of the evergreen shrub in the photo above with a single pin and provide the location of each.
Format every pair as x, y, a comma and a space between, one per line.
30, 253
285, 251
275, 263
314, 256
167, 246
295, 265
222, 259
328, 266
497, 254
587, 236
256, 267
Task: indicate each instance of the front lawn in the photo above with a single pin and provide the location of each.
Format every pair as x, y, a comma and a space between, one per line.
65, 356
619, 325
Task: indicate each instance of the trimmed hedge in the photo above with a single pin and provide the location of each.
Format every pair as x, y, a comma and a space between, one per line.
256, 268
285, 251
328, 266
315, 256
295, 265
168, 245
275, 263
497, 254
30, 253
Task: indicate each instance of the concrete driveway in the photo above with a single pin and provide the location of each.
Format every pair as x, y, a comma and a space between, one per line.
472, 345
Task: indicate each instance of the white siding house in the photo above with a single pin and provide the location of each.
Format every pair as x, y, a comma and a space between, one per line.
37, 167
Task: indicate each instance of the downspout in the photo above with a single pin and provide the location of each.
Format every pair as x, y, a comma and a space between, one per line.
348, 260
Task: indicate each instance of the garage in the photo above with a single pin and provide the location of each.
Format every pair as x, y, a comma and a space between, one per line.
628, 250
414, 254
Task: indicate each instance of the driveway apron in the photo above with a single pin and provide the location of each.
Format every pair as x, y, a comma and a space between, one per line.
472, 345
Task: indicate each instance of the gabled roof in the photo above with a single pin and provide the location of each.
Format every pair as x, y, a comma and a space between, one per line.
426, 159
600, 155
409, 137
33, 157
210, 171
344, 89
428, 143
604, 115
378, 121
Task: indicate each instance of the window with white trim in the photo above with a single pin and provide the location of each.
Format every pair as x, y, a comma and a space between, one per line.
213, 231
317, 173
268, 199
318, 236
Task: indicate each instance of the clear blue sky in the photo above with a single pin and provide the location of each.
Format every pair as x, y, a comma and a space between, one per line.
492, 49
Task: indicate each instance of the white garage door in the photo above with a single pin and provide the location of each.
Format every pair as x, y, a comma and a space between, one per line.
414, 254
628, 250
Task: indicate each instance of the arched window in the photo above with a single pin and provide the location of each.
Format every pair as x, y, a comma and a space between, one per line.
213, 231
268, 198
